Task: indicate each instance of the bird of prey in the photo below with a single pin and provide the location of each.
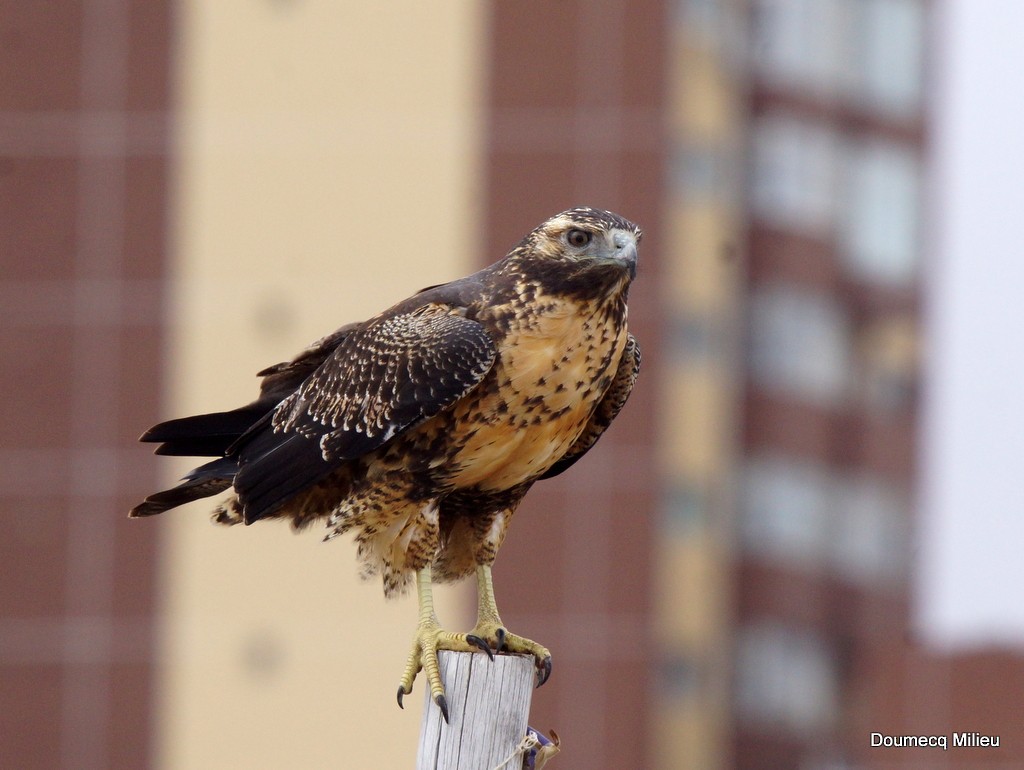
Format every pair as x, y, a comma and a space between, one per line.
421, 429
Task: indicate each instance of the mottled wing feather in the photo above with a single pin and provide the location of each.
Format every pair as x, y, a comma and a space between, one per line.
212, 434
607, 409
383, 378
387, 376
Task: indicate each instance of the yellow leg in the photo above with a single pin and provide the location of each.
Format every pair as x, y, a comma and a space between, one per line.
489, 630
430, 638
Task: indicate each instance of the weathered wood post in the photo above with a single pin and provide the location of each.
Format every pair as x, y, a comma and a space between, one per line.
488, 705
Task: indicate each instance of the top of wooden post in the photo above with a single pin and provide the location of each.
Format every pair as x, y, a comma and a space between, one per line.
488, 705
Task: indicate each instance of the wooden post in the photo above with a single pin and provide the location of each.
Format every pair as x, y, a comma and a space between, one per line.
488, 704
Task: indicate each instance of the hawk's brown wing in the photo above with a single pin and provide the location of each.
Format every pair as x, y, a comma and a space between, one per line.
614, 399
385, 376
211, 434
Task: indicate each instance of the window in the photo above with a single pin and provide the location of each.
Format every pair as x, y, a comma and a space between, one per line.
869, 51
685, 508
702, 16
802, 44
890, 53
713, 25
805, 515
785, 510
700, 171
795, 175
694, 337
807, 177
870, 532
879, 232
681, 676
785, 678
799, 344
887, 363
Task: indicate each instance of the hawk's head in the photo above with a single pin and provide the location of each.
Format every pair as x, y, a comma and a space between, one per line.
587, 236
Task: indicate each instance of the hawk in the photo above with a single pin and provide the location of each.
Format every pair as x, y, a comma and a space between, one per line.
421, 429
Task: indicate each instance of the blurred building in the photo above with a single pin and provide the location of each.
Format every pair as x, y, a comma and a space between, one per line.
192, 190
965, 694
816, 498
833, 189
84, 219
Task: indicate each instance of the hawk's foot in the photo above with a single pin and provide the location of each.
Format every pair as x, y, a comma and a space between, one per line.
492, 634
430, 638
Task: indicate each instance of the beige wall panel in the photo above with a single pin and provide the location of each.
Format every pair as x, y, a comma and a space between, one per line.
328, 157
688, 737
692, 598
703, 95
704, 274
698, 421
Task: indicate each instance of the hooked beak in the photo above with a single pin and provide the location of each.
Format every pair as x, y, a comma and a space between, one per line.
626, 250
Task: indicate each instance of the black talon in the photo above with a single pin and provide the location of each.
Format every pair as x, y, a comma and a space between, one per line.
544, 671
476, 641
401, 693
500, 634
442, 703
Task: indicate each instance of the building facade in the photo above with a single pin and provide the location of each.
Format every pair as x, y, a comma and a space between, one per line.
85, 169
834, 189
724, 582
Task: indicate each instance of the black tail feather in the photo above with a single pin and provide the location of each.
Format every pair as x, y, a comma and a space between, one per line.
204, 435
200, 446
272, 469
219, 434
204, 481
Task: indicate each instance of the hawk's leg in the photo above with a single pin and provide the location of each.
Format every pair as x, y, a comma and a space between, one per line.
430, 638
491, 631
488, 632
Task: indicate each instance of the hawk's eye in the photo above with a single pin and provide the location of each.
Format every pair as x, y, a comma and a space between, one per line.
578, 238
